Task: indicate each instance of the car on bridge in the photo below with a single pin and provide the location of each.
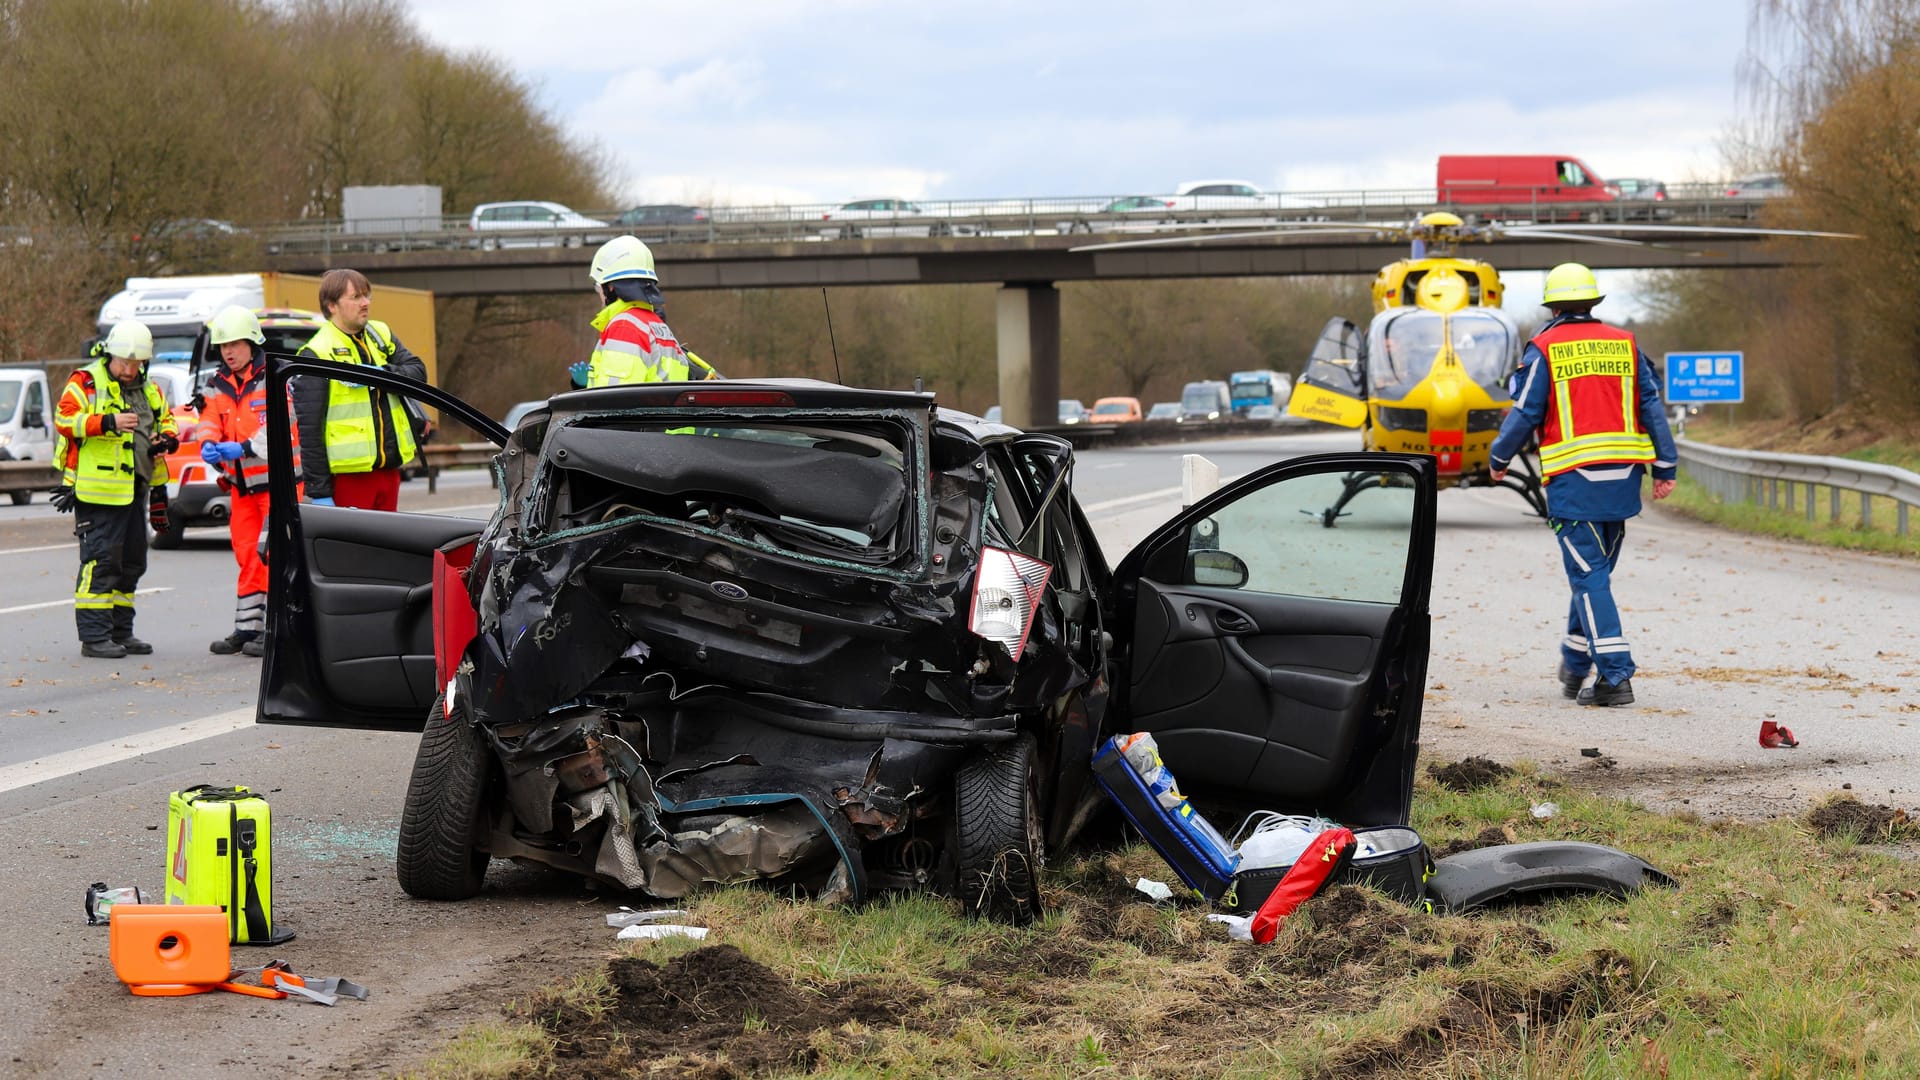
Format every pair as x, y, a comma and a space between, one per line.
1196, 195
533, 224
1763, 186
665, 222
891, 216
837, 639
1125, 213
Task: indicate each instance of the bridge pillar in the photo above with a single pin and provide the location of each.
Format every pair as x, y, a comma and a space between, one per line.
1029, 334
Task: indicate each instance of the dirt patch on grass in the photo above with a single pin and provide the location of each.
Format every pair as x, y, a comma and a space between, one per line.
712, 1013
1491, 836
1469, 775
1864, 822
1482, 1015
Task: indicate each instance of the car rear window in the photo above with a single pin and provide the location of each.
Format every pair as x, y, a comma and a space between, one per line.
836, 491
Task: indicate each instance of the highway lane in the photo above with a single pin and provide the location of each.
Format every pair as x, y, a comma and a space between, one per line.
1726, 628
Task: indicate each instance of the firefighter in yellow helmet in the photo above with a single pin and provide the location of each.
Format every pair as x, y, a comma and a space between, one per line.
636, 344
118, 431
233, 434
1592, 397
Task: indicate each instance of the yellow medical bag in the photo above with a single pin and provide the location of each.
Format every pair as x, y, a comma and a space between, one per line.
219, 852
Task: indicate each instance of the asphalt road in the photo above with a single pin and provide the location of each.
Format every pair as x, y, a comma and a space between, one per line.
1727, 630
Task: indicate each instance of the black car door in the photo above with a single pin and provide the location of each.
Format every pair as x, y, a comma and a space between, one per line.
350, 592
1278, 662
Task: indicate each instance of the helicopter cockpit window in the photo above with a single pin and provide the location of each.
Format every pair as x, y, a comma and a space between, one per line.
1488, 346
1401, 349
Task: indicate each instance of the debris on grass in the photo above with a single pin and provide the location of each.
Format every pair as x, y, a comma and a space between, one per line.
1847, 817
1469, 775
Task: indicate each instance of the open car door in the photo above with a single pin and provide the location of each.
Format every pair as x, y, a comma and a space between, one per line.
1275, 662
350, 592
1331, 389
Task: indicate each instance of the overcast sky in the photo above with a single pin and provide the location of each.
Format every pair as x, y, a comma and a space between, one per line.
755, 101
820, 100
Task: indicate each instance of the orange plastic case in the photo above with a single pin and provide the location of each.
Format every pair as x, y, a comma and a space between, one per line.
168, 949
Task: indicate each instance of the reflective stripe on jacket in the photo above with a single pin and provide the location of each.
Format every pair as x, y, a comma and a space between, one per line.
635, 346
99, 462
1593, 417
358, 438
236, 411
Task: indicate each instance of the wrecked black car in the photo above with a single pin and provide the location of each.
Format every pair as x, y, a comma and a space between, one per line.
837, 640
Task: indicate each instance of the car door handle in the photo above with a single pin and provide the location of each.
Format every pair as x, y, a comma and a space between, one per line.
1232, 622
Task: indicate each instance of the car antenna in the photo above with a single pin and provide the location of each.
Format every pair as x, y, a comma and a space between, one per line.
836, 347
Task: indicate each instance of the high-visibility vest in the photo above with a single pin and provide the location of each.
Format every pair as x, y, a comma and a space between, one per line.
635, 346
99, 463
353, 432
237, 412
1594, 416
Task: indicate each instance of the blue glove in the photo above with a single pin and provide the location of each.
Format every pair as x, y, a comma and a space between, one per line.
578, 373
325, 500
210, 452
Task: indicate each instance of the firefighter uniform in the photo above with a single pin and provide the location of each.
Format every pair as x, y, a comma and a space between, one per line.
111, 473
635, 345
354, 438
1593, 398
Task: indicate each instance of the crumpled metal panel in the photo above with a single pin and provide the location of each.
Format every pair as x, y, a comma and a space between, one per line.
736, 848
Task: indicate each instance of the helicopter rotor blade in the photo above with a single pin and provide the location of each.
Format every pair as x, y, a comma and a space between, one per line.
1191, 238
1546, 234
1675, 230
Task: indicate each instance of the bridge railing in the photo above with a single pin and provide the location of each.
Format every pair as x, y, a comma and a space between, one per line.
1779, 481
1047, 216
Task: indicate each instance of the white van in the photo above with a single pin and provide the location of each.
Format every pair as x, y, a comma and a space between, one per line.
26, 418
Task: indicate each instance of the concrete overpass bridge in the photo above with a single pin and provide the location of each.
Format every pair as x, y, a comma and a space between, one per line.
1026, 256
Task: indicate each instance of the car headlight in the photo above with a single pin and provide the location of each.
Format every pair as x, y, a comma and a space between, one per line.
1214, 415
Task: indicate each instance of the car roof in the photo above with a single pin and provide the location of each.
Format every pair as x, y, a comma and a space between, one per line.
1189, 185
523, 202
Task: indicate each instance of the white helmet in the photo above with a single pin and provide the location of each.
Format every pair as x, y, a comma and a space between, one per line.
234, 323
621, 258
130, 341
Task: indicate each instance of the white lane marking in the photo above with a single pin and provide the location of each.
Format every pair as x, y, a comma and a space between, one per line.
67, 762
68, 602
30, 550
1127, 502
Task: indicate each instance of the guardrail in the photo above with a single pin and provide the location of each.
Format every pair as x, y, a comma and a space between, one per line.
1769, 479
1043, 216
31, 476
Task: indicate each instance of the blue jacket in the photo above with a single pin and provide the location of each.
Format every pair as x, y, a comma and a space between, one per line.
1595, 493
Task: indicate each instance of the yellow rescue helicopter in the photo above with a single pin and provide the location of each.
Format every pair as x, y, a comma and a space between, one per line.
1431, 373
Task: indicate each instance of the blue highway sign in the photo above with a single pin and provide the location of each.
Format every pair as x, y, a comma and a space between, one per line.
1700, 377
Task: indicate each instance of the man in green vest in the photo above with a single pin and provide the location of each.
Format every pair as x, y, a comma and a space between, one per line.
354, 438
117, 430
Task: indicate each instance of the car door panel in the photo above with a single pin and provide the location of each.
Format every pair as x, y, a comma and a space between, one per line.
1298, 687
350, 595
371, 580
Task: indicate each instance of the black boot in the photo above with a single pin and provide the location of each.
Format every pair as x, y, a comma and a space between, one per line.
1603, 692
103, 650
231, 644
1569, 682
133, 645
255, 646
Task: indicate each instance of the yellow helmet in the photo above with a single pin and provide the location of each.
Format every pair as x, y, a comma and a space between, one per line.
130, 341
620, 258
1569, 282
235, 323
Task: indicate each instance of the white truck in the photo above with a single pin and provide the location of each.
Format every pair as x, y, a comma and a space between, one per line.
26, 421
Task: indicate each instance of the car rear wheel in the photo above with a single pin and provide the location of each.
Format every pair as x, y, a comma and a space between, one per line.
440, 857
21, 498
999, 849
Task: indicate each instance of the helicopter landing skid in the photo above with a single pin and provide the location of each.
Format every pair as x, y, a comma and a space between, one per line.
1354, 484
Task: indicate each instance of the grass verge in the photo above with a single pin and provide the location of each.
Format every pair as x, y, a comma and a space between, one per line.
1787, 950
1697, 502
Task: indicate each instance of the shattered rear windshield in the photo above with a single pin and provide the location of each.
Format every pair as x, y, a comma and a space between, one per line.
839, 491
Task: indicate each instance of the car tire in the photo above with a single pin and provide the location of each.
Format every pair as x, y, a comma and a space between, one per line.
999, 847
21, 498
439, 856
171, 537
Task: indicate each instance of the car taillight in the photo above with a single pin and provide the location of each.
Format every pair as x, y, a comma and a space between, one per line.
1007, 587
733, 397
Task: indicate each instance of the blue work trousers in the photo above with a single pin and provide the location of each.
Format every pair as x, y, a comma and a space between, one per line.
1589, 550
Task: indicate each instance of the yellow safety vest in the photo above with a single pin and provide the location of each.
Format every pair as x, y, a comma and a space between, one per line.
104, 471
353, 433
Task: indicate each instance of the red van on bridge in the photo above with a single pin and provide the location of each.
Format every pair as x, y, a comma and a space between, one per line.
1518, 180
